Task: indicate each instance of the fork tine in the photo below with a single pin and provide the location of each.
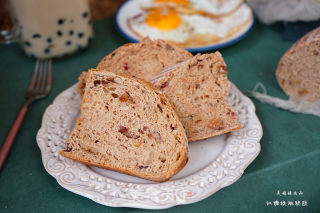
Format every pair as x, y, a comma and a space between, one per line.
44, 75
40, 74
49, 78
34, 77
41, 81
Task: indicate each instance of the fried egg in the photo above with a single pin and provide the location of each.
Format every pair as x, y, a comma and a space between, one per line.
161, 24
209, 7
167, 24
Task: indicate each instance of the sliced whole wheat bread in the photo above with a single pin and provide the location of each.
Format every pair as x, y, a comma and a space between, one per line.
197, 91
142, 60
128, 126
298, 71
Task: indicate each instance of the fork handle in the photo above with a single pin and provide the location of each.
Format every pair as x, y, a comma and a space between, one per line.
6, 146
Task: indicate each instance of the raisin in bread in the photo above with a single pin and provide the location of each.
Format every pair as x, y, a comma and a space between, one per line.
128, 126
197, 91
298, 72
142, 60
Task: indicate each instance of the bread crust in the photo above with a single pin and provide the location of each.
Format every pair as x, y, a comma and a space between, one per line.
160, 177
139, 51
163, 178
152, 51
298, 71
186, 107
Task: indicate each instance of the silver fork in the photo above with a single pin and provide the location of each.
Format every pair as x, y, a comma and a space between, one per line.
39, 87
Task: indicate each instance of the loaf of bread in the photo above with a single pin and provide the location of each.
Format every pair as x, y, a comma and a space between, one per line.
142, 60
298, 71
197, 90
126, 125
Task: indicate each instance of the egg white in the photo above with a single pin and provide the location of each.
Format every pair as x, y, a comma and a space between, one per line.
193, 25
179, 34
220, 26
213, 7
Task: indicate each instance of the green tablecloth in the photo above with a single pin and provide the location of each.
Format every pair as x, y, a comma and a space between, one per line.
289, 158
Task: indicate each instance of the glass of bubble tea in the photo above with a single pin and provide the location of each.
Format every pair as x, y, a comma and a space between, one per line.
51, 28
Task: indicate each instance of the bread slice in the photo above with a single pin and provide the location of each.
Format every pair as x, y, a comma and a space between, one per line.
128, 126
142, 60
197, 90
298, 71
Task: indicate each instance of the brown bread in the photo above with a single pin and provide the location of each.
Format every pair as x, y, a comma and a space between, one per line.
298, 72
128, 126
142, 60
197, 90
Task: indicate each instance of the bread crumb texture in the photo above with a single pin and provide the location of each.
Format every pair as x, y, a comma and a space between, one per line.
127, 126
142, 60
197, 90
298, 72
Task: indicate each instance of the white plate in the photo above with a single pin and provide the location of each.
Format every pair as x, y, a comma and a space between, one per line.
131, 8
214, 163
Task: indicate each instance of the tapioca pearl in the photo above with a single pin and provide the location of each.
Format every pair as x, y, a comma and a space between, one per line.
49, 40
80, 35
71, 32
59, 33
71, 20
47, 51
36, 35
61, 21
27, 43
68, 43
85, 14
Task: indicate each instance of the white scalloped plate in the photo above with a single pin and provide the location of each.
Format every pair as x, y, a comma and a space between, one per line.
214, 163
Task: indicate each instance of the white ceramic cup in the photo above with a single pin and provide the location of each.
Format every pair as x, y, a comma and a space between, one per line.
52, 28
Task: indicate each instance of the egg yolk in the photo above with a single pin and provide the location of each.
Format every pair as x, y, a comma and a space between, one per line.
177, 2
163, 20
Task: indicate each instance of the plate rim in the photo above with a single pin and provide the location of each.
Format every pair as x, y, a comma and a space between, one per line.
90, 194
209, 47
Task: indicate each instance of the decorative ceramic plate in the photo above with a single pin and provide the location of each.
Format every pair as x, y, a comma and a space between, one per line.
131, 8
214, 163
